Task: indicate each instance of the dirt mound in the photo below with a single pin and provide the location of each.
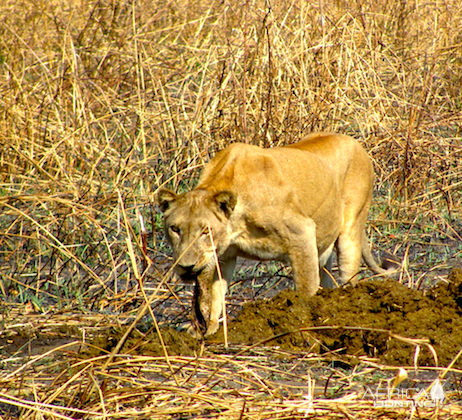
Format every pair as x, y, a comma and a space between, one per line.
371, 319
362, 320
147, 344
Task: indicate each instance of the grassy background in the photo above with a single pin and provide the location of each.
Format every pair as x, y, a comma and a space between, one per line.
103, 102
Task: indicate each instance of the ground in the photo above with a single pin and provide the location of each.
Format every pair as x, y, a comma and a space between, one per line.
348, 343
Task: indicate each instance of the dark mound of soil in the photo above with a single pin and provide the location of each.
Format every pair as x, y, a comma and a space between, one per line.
347, 320
371, 319
147, 344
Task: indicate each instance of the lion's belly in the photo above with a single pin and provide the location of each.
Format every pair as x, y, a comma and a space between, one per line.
259, 238
261, 249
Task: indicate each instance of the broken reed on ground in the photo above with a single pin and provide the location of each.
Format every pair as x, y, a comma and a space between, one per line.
102, 103
200, 387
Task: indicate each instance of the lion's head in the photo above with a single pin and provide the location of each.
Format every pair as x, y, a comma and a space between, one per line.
189, 219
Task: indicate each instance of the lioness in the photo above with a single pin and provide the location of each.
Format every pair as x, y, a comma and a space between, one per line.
291, 203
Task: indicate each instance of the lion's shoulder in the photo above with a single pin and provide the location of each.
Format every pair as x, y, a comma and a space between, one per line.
236, 166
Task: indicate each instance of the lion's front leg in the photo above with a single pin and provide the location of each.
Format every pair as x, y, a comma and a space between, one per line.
202, 302
209, 293
219, 289
303, 255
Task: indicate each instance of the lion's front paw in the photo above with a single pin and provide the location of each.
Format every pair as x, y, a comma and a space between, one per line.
212, 329
194, 331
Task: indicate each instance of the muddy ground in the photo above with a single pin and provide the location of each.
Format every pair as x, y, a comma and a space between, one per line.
374, 319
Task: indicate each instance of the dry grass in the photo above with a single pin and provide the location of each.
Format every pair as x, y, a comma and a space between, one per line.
104, 102
58, 383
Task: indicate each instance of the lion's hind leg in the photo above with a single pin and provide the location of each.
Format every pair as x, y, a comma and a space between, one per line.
349, 253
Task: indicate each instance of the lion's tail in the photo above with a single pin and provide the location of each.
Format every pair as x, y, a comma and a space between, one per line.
388, 265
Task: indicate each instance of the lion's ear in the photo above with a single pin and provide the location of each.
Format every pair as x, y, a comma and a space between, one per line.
226, 201
165, 197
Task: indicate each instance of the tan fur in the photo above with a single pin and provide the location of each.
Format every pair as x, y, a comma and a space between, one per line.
292, 204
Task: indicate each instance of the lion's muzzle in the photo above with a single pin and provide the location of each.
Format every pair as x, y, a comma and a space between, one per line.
187, 273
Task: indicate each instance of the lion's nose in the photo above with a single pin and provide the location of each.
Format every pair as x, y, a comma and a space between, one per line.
187, 268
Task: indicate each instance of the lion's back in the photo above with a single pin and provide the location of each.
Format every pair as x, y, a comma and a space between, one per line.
273, 179
240, 166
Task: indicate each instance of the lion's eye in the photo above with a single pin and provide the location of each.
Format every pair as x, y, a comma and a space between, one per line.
175, 229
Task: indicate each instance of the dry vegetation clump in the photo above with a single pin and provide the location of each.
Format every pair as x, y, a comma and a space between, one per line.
104, 102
